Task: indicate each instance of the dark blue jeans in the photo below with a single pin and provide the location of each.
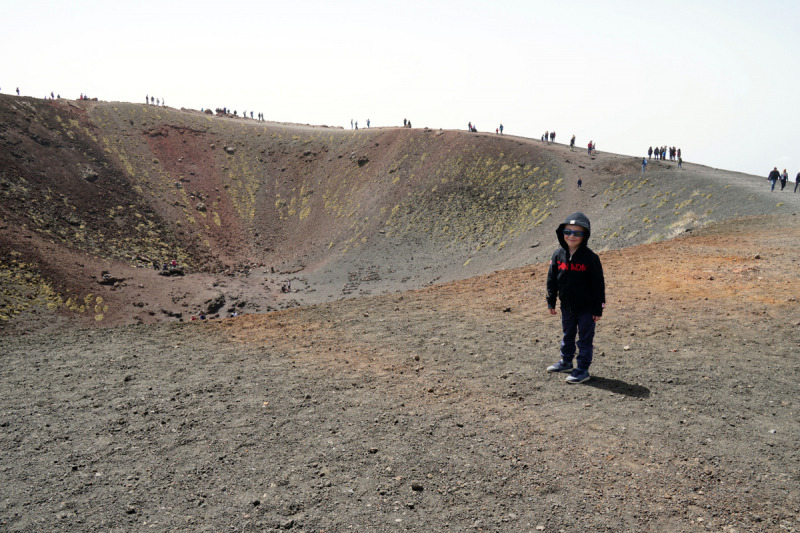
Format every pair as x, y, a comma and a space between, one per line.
582, 325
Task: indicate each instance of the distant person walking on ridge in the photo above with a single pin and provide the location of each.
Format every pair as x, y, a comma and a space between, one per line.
590, 147
644, 164
367, 123
580, 182
773, 178
649, 152
17, 91
680, 162
553, 137
356, 124
351, 123
147, 99
404, 122
501, 129
497, 131
572, 143
784, 179
796, 181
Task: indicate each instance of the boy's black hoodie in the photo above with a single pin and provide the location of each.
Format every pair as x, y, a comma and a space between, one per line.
577, 281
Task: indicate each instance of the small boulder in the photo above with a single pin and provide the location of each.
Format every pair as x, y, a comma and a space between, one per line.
215, 304
89, 175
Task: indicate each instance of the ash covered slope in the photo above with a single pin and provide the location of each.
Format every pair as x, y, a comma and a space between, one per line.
347, 212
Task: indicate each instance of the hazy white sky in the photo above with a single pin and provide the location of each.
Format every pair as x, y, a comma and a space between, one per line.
719, 79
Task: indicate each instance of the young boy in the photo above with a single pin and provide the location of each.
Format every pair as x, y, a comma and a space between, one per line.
576, 278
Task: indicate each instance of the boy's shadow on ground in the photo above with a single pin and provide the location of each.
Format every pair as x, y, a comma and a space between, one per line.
619, 387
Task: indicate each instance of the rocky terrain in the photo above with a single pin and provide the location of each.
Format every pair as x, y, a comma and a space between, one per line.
400, 385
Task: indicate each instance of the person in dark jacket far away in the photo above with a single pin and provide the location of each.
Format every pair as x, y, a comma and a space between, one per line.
773, 178
575, 277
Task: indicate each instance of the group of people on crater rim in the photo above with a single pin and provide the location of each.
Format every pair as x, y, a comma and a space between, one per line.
549, 137
664, 151
473, 129
152, 100
54, 96
783, 177
224, 111
354, 124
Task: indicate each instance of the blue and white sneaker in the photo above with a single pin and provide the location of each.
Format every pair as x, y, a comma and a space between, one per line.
578, 376
561, 366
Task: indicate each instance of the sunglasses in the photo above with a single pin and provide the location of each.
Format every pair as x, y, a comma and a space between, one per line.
574, 232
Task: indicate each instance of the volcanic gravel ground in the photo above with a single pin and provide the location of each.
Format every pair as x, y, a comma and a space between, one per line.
430, 410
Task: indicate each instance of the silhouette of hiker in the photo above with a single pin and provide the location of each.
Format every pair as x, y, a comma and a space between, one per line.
251, 114
553, 137
579, 183
404, 122
147, 99
351, 123
590, 147
409, 123
367, 123
572, 143
356, 124
649, 152
501, 129
644, 164
17, 91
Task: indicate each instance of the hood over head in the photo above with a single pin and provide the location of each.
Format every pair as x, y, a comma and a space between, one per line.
576, 219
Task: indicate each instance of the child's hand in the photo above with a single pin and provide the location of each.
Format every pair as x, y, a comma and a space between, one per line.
595, 318
552, 311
